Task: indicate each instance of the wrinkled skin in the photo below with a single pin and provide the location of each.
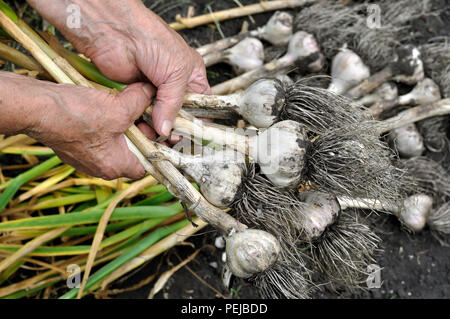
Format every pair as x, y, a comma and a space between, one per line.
128, 43
83, 126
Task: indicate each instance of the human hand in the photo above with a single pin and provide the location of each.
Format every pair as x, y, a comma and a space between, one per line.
128, 42
85, 126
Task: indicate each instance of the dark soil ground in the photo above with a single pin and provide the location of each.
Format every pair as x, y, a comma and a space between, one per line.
413, 265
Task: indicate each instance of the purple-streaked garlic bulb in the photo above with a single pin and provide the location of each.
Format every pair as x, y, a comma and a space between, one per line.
347, 70
407, 141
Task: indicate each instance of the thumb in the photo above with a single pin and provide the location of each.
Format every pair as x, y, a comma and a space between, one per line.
135, 98
169, 99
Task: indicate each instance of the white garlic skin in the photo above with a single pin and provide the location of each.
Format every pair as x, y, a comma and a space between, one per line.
262, 102
426, 91
407, 140
246, 55
251, 251
280, 152
303, 44
278, 29
218, 174
415, 211
219, 177
347, 71
323, 211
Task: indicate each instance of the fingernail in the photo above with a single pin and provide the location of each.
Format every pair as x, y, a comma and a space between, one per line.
147, 90
166, 128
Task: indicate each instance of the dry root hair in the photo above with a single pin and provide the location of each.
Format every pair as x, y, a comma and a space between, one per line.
352, 161
345, 250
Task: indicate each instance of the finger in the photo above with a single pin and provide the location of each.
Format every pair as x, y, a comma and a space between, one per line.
198, 82
136, 98
169, 99
129, 164
147, 131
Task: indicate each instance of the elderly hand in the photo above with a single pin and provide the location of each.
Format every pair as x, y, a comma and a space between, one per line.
83, 126
128, 42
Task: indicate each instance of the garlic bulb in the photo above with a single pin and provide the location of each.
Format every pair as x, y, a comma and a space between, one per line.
409, 65
407, 140
278, 29
415, 211
303, 45
387, 91
250, 252
347, 71
425, 91
281, 152
262, 102
323, 211
246, 55
219, 175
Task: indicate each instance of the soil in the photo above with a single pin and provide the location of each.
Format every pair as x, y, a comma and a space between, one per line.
413, 265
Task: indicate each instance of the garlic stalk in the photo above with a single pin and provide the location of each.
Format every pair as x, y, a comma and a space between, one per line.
277, 31
407, 68
425, 91
347, 70
243, 57
412, 211
387, 91
414, 114
303, 53
407, 141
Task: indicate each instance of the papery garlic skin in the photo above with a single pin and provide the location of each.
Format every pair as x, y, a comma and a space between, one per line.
246, 55
262, 102
303, 45
407, 141
281, 152
347, 71
250, 252
323, 211
415, 211
278, 30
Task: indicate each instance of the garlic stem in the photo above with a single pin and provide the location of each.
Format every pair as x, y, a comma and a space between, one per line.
387, 91
426, 91
413, 211
441, 107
